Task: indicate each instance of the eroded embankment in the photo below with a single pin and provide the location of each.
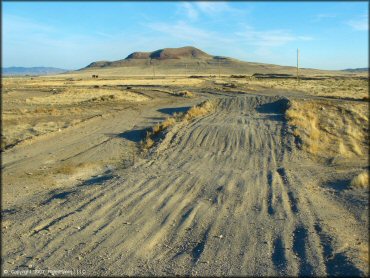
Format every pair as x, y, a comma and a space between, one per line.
227, 194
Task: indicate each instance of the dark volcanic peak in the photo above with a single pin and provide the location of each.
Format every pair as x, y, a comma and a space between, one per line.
165, 55
170, 53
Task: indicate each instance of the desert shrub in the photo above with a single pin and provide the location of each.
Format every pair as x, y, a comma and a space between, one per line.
66, 169
184, 94
361, 180
328, 129
199, 110
148, 142
196, 111
159, 127
69, 169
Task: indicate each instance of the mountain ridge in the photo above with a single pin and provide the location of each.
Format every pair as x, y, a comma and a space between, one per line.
31, 70
357, 70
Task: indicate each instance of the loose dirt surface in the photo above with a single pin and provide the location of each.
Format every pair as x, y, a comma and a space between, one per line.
233, 192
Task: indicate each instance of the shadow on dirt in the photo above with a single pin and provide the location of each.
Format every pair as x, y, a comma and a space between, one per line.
173, 110
135, 135
339, 185
58, 195
337, 264
276, 107
97, 180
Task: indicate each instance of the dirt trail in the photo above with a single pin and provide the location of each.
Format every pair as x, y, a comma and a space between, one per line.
228, 194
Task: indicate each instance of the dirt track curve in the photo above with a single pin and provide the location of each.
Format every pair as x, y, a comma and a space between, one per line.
228, 194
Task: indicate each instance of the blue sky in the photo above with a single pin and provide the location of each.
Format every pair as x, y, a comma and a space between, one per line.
330, 35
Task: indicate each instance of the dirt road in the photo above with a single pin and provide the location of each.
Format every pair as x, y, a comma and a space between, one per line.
228, 194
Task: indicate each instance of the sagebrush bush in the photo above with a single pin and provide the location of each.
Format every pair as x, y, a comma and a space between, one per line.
196, 111
361, 180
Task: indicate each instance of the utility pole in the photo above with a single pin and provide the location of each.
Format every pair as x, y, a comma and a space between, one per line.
219, 70
297, 64
133, 153
153, 70
186, 69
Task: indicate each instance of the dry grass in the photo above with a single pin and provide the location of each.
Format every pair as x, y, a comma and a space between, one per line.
42, 105
361, 180
148, 142
353, 88
329, 129
70, 169
199, 110
185, 93
305, 123
159, 127
28, 121
78, 95
66, 170
42, 110
106, 78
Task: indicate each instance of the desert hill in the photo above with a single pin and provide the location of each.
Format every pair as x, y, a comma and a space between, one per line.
190, 61
171, 53
165, 56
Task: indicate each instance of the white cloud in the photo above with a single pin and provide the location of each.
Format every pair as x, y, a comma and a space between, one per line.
320, 17
360, 24
193, 10
269, 38
246, 42
180, 30
14, 24
212, 8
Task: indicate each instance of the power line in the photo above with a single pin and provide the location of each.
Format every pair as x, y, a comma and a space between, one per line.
219, 69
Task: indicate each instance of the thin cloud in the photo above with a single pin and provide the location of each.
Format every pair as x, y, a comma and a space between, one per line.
320, 17
14, 24
360, 24
180, 30
193, 11
244, 40
189, 10
269, 38
212, 8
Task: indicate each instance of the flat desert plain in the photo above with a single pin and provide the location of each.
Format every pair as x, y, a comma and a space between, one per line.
209, 175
